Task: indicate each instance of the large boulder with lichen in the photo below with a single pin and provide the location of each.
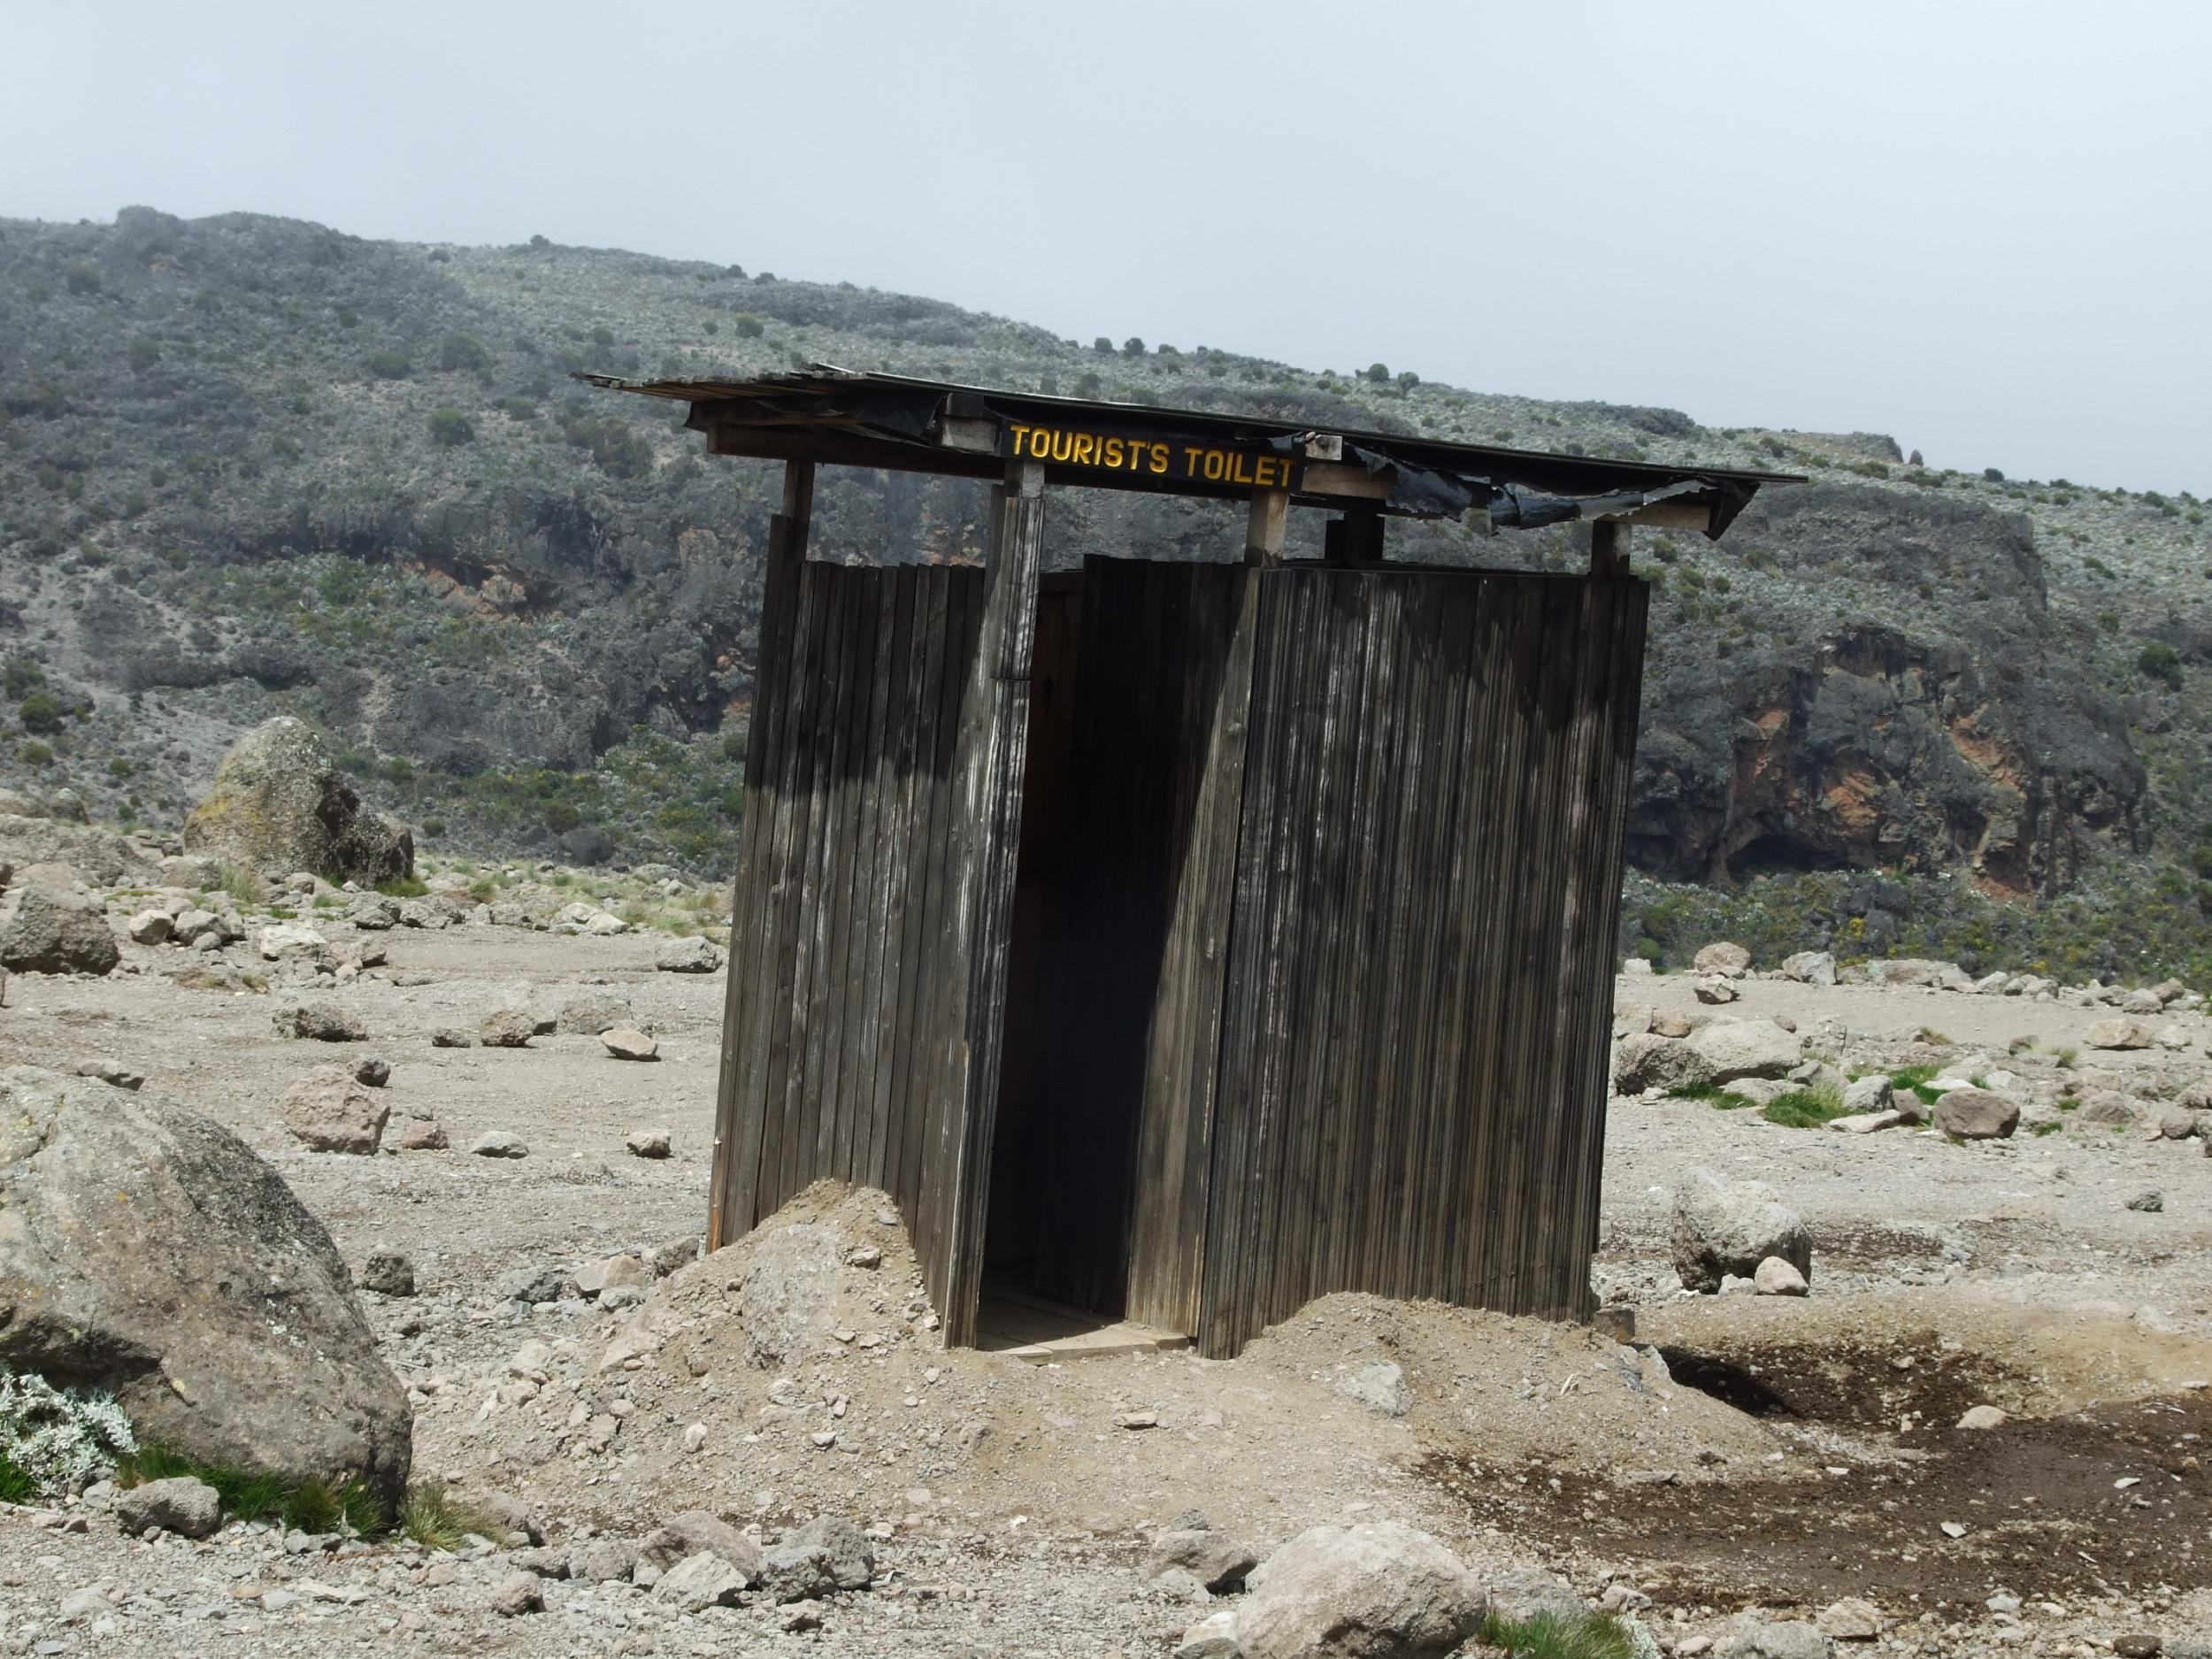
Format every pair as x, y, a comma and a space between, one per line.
278, 803
147, 1251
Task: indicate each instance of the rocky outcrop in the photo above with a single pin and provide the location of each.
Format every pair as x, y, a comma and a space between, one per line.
147, 1250
1926, 738
278, 803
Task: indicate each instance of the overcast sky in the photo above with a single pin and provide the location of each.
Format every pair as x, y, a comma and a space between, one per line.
1986, 229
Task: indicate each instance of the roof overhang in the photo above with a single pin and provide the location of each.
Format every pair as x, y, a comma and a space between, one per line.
892, 422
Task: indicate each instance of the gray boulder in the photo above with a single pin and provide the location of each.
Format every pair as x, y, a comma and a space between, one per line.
1358, 1593
1643, 1061
1381, 1387
1723, 1227
37, 837
147, 1250
701, 1581
1214, 1559
1721, 957
595, 1011
827, 1553
1811, 967
694, 955
1866, 1094
695, 1533
2122, 1033
1746, 1048
318, 1022
182, 1505
1975, 1114
327, 1110
277, 800
507, 1028
1782, 1638
50, 930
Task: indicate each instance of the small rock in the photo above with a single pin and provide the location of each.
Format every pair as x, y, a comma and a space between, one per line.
499, 1143
603, 1561
824, 1555
1721, 957
151, 927
373, 1071
648, 1143
2150, 1202
1711, 989
507, 1028
694, 955
1867, 1095
2124, 1032
1212, 1559
1381, 1387
182, 1505
700, 1581
1850, 1619
1778, 1278
319, 1021
626, 1044
2137, 1645
1975, 1114
446, 1037
517, 1593
595, 1278
1811, 967
421, 1134
695, 1436
1215, 1636
1984, 1418
388, 1273
1722, 1227
328, 1111
1781, 1638
1867, 1123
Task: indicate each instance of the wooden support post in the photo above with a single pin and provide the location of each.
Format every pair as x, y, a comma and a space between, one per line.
991, 760
1267, 527
1608, 546
741, 1086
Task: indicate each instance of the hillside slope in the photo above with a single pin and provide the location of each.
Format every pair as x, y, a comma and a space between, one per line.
250, 465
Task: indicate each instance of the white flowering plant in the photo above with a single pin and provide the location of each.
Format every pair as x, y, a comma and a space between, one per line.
54, 1436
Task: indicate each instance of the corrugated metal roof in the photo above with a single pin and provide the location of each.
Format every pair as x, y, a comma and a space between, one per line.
895, 421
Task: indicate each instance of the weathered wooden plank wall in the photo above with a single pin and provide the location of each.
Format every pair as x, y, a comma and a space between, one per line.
874, 892
1419, 987
844, 985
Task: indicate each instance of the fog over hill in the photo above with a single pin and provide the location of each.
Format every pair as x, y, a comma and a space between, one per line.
251, 466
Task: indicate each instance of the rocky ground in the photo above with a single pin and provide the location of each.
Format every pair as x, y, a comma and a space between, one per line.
577, 1372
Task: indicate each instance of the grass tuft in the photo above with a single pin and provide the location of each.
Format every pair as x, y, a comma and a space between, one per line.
1559, 1636
403, 888
1805, 1108
2046, 1128
433, 1517
243, 885
16, 1486
1917, 1079
313, 1505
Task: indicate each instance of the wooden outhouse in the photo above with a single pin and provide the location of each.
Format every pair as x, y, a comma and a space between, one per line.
1182, 941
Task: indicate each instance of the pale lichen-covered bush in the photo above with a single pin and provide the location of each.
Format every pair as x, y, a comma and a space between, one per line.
57, 1435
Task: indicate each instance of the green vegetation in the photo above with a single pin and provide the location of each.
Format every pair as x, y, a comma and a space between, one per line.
389, 366
313, 1505
16, 1486
449, 428
1805, 1108
1914, 1080
2161, 663
1559, 1636
435, 1518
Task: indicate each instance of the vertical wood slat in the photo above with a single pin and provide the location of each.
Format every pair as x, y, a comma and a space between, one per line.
1465, 739
994, 736
733, 1189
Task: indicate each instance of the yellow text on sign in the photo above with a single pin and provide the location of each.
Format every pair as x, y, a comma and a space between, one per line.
1151, 457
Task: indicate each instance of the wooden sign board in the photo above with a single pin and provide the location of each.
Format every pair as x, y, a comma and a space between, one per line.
1145, 457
